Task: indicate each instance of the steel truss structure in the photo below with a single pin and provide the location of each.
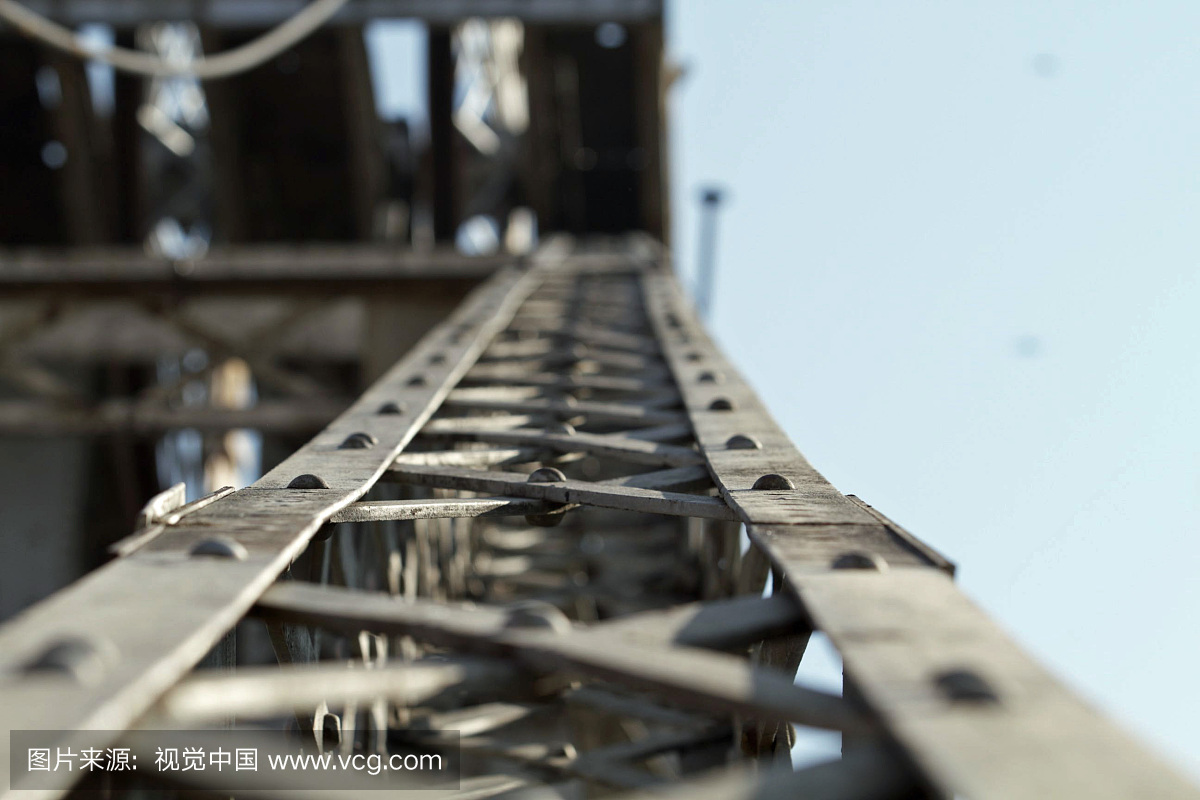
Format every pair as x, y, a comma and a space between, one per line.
529, 531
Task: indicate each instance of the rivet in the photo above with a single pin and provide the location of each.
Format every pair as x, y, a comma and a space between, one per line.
73, 657
358, 441
416, 380
437, 358
308, 481
324, 532
740, 441
545, 475
535, 614
965, 686
219, 547
694, 357
721, 404
860, 559
391, 407
773, 482
710, 377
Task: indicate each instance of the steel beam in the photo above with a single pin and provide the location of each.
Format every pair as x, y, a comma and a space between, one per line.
273, 269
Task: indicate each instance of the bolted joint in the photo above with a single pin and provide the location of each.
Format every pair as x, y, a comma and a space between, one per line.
553, 518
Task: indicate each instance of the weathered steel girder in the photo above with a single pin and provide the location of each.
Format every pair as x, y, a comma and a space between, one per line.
539, 507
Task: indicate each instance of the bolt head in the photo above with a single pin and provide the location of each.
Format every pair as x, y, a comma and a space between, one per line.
219, 547
965, 686
358, 441
533, 614
773, 482
860, 559
546, 475
308, 481
74, 657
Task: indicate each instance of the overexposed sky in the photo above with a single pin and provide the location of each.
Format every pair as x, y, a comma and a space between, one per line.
961, 262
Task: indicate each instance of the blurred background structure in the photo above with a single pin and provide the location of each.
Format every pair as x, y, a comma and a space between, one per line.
198, 276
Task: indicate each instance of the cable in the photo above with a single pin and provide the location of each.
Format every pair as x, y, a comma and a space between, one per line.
221, 65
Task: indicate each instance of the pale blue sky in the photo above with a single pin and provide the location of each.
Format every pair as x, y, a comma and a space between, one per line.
961, 262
